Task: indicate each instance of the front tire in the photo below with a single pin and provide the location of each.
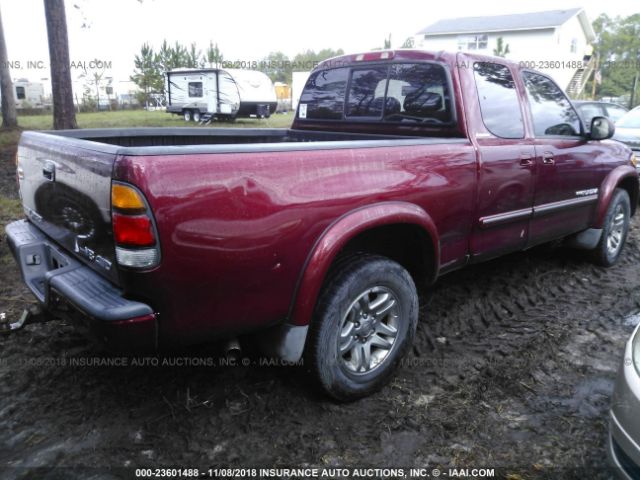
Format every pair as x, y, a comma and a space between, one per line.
615, 229
196, 116
363, 325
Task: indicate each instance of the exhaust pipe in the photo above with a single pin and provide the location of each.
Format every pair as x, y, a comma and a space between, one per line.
232, 349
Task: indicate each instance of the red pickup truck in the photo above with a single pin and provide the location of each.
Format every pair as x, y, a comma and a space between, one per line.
400, 166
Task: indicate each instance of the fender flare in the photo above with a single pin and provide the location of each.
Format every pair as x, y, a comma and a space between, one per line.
608, 186
338, 234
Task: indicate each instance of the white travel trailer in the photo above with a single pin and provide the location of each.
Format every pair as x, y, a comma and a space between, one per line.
219, 93
28, 94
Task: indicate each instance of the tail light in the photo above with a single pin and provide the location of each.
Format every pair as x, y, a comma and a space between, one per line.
134, 230
19, 169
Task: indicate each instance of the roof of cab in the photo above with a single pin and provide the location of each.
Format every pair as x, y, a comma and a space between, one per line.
404, 55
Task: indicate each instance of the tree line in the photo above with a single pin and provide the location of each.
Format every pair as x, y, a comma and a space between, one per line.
64, 115
617, 48
150, 64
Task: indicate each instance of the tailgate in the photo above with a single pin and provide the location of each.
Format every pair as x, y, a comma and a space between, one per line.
65, 187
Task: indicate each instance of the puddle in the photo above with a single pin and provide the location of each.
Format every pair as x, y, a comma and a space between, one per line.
631, 320
590, 397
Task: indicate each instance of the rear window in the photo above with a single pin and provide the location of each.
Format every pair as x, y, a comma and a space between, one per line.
366, 92
323, 96
396, 93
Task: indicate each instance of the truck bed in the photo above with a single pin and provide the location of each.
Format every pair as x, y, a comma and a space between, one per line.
236, 137
67, 174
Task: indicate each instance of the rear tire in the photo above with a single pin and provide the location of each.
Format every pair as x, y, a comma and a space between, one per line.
614, 230
187, 115
363, 325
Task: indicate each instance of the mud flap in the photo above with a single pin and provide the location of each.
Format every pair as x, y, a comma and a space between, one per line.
585, 240
284, 341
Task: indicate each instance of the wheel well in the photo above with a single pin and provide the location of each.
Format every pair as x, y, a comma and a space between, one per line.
407, 244
630, 184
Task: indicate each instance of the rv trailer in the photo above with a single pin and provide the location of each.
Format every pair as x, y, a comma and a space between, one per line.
28, 94
222, 94
257, 93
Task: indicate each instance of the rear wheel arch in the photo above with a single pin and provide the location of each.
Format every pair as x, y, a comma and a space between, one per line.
368, 230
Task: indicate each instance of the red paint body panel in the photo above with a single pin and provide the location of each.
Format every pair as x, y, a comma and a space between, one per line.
236, 230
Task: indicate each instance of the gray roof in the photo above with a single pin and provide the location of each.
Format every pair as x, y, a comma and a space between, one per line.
520, 21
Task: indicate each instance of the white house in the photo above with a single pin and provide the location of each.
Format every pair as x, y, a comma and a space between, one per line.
556, 42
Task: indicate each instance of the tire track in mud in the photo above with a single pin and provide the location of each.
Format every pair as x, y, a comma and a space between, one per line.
512, 365
510, 329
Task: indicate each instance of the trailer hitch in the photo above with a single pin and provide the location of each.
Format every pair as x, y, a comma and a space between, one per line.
34, 314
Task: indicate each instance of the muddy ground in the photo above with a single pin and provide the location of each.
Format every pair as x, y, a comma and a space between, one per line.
513, 368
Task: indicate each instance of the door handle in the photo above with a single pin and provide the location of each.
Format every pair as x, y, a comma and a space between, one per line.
526, 160
547, 158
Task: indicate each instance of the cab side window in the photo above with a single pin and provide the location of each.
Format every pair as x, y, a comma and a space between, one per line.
499, 101
553, 115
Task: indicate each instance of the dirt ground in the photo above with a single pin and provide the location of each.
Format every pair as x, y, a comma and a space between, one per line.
513, 368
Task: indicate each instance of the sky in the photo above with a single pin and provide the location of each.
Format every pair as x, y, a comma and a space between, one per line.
245, 30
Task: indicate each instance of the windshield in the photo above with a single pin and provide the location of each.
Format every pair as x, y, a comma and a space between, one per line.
630, 120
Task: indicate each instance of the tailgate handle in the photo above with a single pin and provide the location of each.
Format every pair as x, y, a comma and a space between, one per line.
49, 170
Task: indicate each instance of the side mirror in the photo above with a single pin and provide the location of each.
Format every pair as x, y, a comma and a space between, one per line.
601, 128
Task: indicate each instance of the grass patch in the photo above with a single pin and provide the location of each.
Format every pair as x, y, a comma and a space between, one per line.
9, 138
143, 118
10, 210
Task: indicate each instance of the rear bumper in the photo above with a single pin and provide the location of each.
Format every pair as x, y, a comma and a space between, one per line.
56, 278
